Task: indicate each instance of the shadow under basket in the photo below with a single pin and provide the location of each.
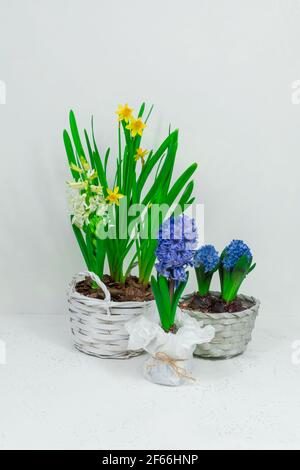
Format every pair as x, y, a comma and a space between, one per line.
98, 326
233, 330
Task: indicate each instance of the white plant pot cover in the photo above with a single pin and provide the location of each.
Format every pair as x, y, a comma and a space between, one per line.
171, 354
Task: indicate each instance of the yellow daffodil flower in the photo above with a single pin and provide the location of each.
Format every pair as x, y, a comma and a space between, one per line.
140, 154
124, 113
136, 126
114, 196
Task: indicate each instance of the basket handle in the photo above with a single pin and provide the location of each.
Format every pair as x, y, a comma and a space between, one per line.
102, 286
99, 283
94, 277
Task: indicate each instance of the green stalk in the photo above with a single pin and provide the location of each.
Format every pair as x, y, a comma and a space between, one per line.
171, 289
203, 280
119, 173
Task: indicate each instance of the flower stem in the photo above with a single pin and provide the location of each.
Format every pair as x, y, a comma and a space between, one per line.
171, 289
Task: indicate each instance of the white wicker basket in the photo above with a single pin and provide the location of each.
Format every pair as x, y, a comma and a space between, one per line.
233, 331
98, 325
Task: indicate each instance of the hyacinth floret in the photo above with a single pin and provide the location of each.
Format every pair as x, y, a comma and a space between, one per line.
177, 242
233, 252
208, 257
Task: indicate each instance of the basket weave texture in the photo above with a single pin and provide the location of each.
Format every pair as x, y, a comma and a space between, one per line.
98, 326
233, 330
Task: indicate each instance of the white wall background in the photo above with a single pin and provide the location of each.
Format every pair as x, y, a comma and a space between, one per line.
219, 70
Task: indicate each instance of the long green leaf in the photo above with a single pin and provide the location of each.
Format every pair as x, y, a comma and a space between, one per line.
75, 135
165, 294
163, 179
149, 114
106, 158
152, 161
70, 154
180, 183
100, 170
90, 250
186, 194
141, 111
177, 295
98, 162
82, 244
100, 256
163, 313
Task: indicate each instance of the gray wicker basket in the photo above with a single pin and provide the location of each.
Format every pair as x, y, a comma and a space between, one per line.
233, 330
98, 326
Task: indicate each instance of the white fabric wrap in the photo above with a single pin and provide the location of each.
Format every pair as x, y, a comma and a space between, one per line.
145, 332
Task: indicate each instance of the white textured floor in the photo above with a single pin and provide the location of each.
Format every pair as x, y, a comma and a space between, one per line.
55, 397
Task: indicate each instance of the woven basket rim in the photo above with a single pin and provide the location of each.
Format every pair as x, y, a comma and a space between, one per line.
112, 303
224, 315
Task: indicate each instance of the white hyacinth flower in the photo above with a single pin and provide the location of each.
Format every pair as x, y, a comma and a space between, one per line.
78, 208
81, 210
102, 210
78, 184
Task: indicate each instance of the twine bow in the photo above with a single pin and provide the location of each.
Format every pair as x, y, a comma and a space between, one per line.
179, 371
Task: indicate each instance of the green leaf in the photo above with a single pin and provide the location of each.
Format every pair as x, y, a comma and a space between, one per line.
203, 280
90, 250
81, 243
106, 159
163, 309
231, 280
186, 194
177, 296
157, 296
163, 179
100, 256
152, 161
88, 146
251, 268
180, 183
133, 263
100, 170
91, 155
242, 265
165, 293
75, 135
141, 111
70, 154
190, 202
149, 114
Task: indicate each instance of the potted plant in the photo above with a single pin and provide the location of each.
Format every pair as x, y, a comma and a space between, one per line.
170, 339
111, 204
232, 315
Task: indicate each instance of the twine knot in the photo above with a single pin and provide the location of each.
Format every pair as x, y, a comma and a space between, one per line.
179, 371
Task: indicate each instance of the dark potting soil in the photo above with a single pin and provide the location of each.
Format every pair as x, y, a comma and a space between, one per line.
132, 290
212, 303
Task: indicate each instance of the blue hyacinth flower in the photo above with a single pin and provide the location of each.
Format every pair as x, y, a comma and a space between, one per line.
206, 262
235, 264
177, 243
